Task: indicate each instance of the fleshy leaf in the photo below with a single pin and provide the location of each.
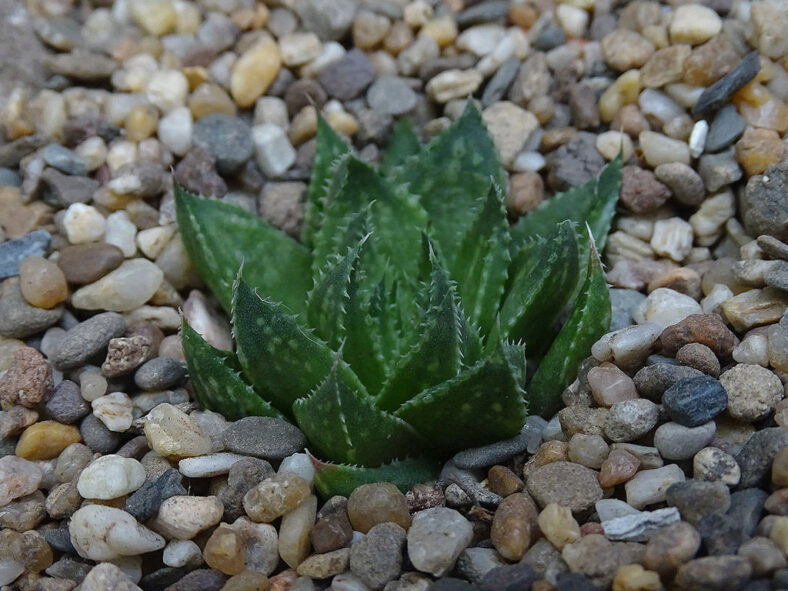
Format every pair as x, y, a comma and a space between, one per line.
217, 381
435, 356
480, 265
480, 405
540, 287
450, 175
342, 479
283, 361
589, 320
219, 237
330, 148
346, 426
396, 221
403, 143
593, 202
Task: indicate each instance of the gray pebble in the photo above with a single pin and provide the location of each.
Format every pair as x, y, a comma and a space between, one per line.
695, 401
697, 498
12, 252
639, 527
755, 458
685, 184
483, 12
329, 19
69, 568
66, 404
622, 302
243, 475
677, 442
630, 419
20, 320
392, 95
159, 373
145, 501
719, 170
747, 508
652, 380
764, 196
718, 93
10, 178
64, 159
494, 453
349, 76
499, 84
11, 153
474, 563
97, 437
263, 437
87, 339
376, 559
511, 576
62, 190
721, 534
777, 276
550, 37
726, 127
227, 138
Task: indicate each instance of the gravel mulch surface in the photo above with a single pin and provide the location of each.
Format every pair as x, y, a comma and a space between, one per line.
667, 467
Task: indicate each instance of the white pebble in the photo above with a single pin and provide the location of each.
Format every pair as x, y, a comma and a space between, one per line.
712, 303
93, 151
183, 517
275, 153
481, 39
152, 241
175, 130
105, 533
110, 477
126, 288
298, 464
573, 20
665, 307
273, 110
610, 143
120, 153
114, 410
697, 138
672, 238
627, 346
694, 23
713, 213
182, 553
210, 465
753, 350
167, 89
330, 52
83, 223
121, 232
648, 486
526, 161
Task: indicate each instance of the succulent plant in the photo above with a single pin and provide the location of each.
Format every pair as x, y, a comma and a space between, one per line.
394, 332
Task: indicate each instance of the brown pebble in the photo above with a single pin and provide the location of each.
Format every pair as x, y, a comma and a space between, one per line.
371, 504
29, 379
503, 481
641, 192
619, 466
45, 440
683, 280
670, 547
332, 532
514, 526
42, 282
86, 263
700, 357
526, 193
707, 329
125, 354
590, 528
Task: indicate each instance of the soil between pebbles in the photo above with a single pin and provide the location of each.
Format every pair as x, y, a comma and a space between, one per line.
667, 466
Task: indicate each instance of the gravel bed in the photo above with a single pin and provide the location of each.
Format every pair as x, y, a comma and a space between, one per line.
667, 466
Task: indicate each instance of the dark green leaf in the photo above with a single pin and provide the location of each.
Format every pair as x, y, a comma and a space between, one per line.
341, 479
589, 320
481, 263
330, 148
347, 427
540, 287
402, 144
217, 381
283, 361
593, 202
450, 175
220, 237
480, 405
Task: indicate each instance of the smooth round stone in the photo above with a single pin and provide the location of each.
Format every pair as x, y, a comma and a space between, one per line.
694, 24
694, 401
83, 223
665, 307
126, 288
175, 130
648, 486
712, 463
275, 496
114, 410
588, 450
173, 433
514, 527
208, 466
263, 437
618, 467
294, 532
377, 558
670, 547
18, 319
630, 419
45, 440
566, 483
610, 385
371, 504
183, 517
753, 391
86, 263
159, 374
110, 477
182, 553
300, 465
677, 442
87, 339
42, 282
392, 95
97, 437
437, 538
71, 461
92, 385
105, 533
254, 72
227, 138
66, 404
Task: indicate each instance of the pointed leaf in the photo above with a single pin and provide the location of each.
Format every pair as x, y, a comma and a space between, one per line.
220, 237
593, 202
540, 287
480, 264
330, 148
482, 404
283, 361
217, 381
342, 479
396, 221
403, 143
450, 174
589, 320
347, 427
435, 356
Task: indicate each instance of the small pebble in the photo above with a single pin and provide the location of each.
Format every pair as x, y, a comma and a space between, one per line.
110, 477
437, 538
